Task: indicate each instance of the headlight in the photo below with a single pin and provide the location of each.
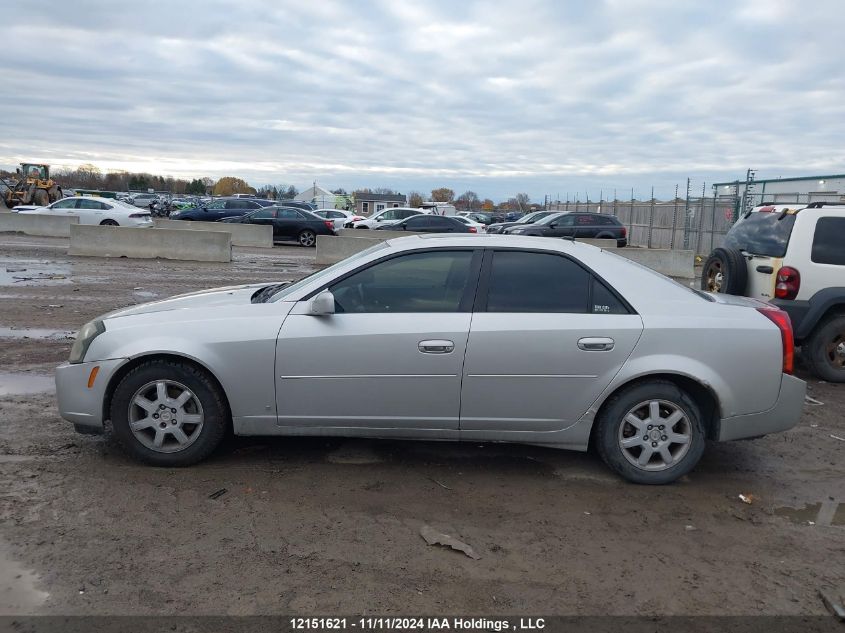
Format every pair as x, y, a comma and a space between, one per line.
86, 335
517, 231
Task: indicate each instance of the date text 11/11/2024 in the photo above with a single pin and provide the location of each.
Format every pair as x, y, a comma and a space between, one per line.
416, 624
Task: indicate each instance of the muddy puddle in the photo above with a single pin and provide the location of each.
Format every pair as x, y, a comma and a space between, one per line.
25, 384
824, 514
32, 272
19, 594
37, 333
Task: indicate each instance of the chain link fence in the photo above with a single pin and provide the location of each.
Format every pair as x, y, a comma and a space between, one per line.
697, 224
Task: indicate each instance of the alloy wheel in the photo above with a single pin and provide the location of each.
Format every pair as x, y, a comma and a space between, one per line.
307, 238
655, 435
836, 351
715, 277
165, 416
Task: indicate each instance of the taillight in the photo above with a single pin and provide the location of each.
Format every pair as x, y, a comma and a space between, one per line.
788, 283
472, 229
329, 223
784, 323
624, 232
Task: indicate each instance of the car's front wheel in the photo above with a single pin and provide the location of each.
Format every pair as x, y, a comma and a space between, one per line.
168, 413
650, 433
109, 223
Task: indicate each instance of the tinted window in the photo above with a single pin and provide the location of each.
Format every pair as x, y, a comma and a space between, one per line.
217, 204
288, 214
585, 220
604, 301
420, 282
556, 218
90, 204
250, 204
264, 214
536, 282
64, 204
761, 234
405, 214
828, 242
418, 222
606, 220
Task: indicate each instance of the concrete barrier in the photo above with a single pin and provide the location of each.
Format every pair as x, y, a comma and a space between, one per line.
41, 225
332, 249
672, 263
374, 234
149, 243
260, 235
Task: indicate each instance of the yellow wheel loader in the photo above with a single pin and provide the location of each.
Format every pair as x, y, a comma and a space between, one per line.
34, 186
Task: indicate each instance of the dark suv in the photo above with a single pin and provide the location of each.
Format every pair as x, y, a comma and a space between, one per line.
592, 225
220, 208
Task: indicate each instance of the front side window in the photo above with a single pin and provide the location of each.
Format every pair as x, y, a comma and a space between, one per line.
264, 214
828, 240
537, 282
85, 203
417, 282
217, 204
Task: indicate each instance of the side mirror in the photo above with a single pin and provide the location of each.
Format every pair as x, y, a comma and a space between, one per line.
553, 225
321, 304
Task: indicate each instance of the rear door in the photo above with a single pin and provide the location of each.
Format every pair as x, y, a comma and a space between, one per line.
547, 337
288, 223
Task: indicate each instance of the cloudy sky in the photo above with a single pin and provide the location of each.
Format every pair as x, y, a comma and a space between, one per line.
547, 97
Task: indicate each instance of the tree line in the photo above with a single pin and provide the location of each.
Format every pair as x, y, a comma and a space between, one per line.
89, 176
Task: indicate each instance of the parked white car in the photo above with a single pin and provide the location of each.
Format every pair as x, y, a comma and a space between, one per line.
394, 214
339, 217
144, 199
104, 211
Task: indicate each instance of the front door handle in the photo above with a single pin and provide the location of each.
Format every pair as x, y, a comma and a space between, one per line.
436, 347
595, 344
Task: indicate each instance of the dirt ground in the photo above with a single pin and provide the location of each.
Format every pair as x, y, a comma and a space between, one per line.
312, 526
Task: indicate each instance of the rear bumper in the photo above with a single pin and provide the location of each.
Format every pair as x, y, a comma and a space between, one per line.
783, 416
78, 403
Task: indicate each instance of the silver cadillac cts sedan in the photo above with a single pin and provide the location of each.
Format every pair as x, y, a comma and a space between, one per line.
505, 339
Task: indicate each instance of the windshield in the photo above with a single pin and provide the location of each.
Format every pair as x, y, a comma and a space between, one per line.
761, 234
549, 218
326, 272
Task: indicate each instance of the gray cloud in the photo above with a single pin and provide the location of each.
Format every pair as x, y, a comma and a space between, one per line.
542, 96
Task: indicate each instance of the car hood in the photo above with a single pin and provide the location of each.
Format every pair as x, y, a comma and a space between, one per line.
211, 298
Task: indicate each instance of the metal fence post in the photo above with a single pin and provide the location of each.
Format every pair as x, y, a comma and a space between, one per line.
651, 218
686, 219
713, 223
674, 220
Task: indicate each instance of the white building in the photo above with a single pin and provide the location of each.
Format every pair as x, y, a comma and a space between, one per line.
802, 189
323, 198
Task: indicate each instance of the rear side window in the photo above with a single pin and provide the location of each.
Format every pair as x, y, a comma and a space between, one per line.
537, 282
828, 242
604, 301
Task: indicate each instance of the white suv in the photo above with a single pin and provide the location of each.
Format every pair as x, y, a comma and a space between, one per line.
795, 259
394, 214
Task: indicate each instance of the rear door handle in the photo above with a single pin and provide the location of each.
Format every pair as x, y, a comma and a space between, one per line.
436, 346
768, 270
595, 344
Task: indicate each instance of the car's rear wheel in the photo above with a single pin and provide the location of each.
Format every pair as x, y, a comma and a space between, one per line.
650, 433
307, 238
824, 350
725, 271
168, 414
109, 223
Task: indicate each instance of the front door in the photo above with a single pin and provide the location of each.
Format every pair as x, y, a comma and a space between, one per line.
391, 357
545, 341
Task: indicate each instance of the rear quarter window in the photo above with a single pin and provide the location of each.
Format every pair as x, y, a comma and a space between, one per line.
829, 242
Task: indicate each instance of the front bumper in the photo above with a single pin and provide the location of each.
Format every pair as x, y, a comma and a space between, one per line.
78, 403
781, 417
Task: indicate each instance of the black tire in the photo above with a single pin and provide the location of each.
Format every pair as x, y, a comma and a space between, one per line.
725, 271
612, 428
307, 238
824, 349
109, 223
215, 412
362, 227
41, 198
